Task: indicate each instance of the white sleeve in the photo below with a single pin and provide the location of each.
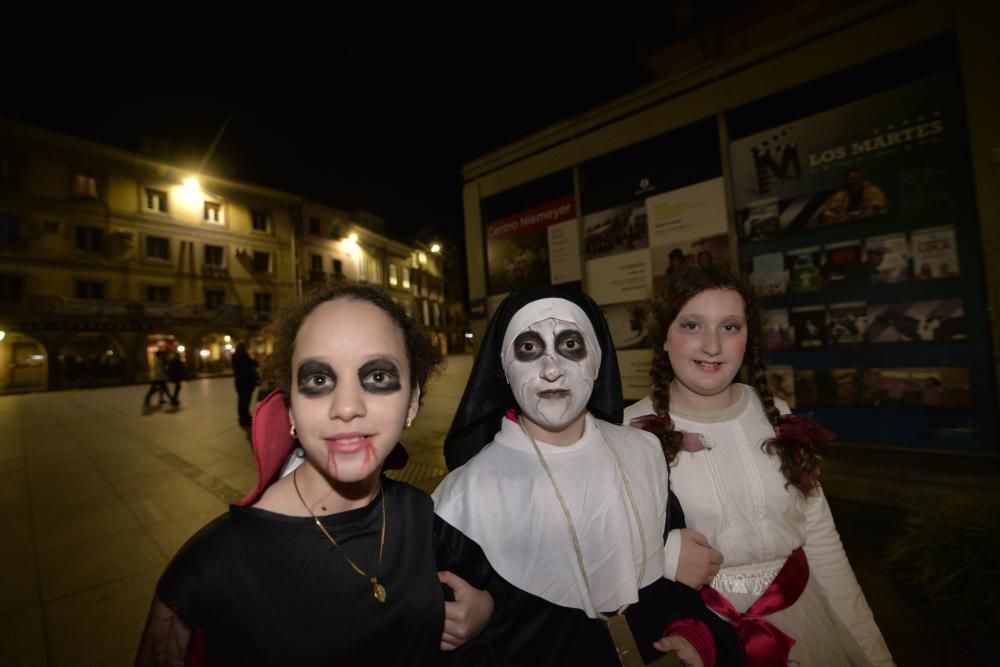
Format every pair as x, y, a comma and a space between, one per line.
828, 563
672, 554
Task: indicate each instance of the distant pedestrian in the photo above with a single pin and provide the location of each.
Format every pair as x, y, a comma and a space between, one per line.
246, 378
158, 380
176, 373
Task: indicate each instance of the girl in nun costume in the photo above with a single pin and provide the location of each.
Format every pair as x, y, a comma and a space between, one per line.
569, 506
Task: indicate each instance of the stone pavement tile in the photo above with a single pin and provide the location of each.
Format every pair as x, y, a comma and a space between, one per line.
19, 584
151, 485
100, 625
171, 506
15, 508
198, 455
98, 562
22, 637
119, 467
84, 525
18, 537
66, 464
13, 491
55, 497
11, 453
228, 469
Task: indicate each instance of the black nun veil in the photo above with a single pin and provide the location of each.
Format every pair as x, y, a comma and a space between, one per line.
488, 396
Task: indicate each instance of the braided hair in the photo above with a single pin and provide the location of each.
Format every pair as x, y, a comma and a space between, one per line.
800, 465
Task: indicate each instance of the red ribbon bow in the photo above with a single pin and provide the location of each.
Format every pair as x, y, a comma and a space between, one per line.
765, 645
692, 442
804, 432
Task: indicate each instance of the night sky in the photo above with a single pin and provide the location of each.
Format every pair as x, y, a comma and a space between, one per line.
355, 113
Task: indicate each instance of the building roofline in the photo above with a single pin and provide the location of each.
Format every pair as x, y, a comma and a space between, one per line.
65, 141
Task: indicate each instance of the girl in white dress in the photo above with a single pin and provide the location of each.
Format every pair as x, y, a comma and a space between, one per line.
746, 472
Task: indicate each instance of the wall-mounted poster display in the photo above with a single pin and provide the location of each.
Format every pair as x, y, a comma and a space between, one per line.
858, 226
531, 235
645, 213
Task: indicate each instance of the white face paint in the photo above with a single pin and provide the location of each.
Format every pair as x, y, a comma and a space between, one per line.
551, 371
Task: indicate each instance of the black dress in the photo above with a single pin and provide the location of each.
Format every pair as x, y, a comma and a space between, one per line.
267, 589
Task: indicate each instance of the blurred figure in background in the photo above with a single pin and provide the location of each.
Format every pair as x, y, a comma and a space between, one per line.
246, 379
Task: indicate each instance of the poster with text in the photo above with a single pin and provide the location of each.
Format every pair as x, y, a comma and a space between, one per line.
619, 278
888, 154
695, 211
518, 253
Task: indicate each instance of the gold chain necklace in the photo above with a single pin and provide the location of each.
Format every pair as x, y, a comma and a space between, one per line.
621, 634
378, 590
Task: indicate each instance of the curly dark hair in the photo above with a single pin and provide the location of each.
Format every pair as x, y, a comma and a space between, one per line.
424, 358
800, 465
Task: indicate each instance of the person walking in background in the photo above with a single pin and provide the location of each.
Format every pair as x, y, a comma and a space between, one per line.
176, 373
158, 380
246, 379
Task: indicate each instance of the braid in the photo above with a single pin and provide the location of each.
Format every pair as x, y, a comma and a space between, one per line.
662, 375
800, 465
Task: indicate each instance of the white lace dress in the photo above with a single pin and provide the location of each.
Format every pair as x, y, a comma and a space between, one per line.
735, 494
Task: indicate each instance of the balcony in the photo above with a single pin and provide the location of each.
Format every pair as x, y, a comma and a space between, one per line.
214, 271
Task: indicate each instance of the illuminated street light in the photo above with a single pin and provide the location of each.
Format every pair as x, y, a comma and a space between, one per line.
181, 348
229, 346
436, 247
191, 184
3, 334
227, 338
204, 354
352, 237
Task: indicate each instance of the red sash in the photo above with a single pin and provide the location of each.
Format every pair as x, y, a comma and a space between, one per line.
765, 645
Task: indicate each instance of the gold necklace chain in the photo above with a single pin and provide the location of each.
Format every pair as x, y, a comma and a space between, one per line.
378, 590
569, 518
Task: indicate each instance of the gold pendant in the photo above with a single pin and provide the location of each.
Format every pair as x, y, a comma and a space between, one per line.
378, 590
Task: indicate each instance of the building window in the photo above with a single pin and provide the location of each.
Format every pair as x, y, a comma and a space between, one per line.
338, 267
88, 289
213, 211
156, 200
426, 312
262, 303
157, 247
89, 238
261, 221
261, 262
214, 298
157, 294
436, 310
406, 278
11, 288
85, 186
10, 228
314, 226
316, 268
215, 256
393, 277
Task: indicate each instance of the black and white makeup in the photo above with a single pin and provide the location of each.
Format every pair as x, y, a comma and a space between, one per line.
551, 358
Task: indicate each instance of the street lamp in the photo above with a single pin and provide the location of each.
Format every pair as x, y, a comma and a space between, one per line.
435, 247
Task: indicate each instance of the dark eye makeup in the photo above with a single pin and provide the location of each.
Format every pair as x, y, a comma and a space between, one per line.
528, 346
